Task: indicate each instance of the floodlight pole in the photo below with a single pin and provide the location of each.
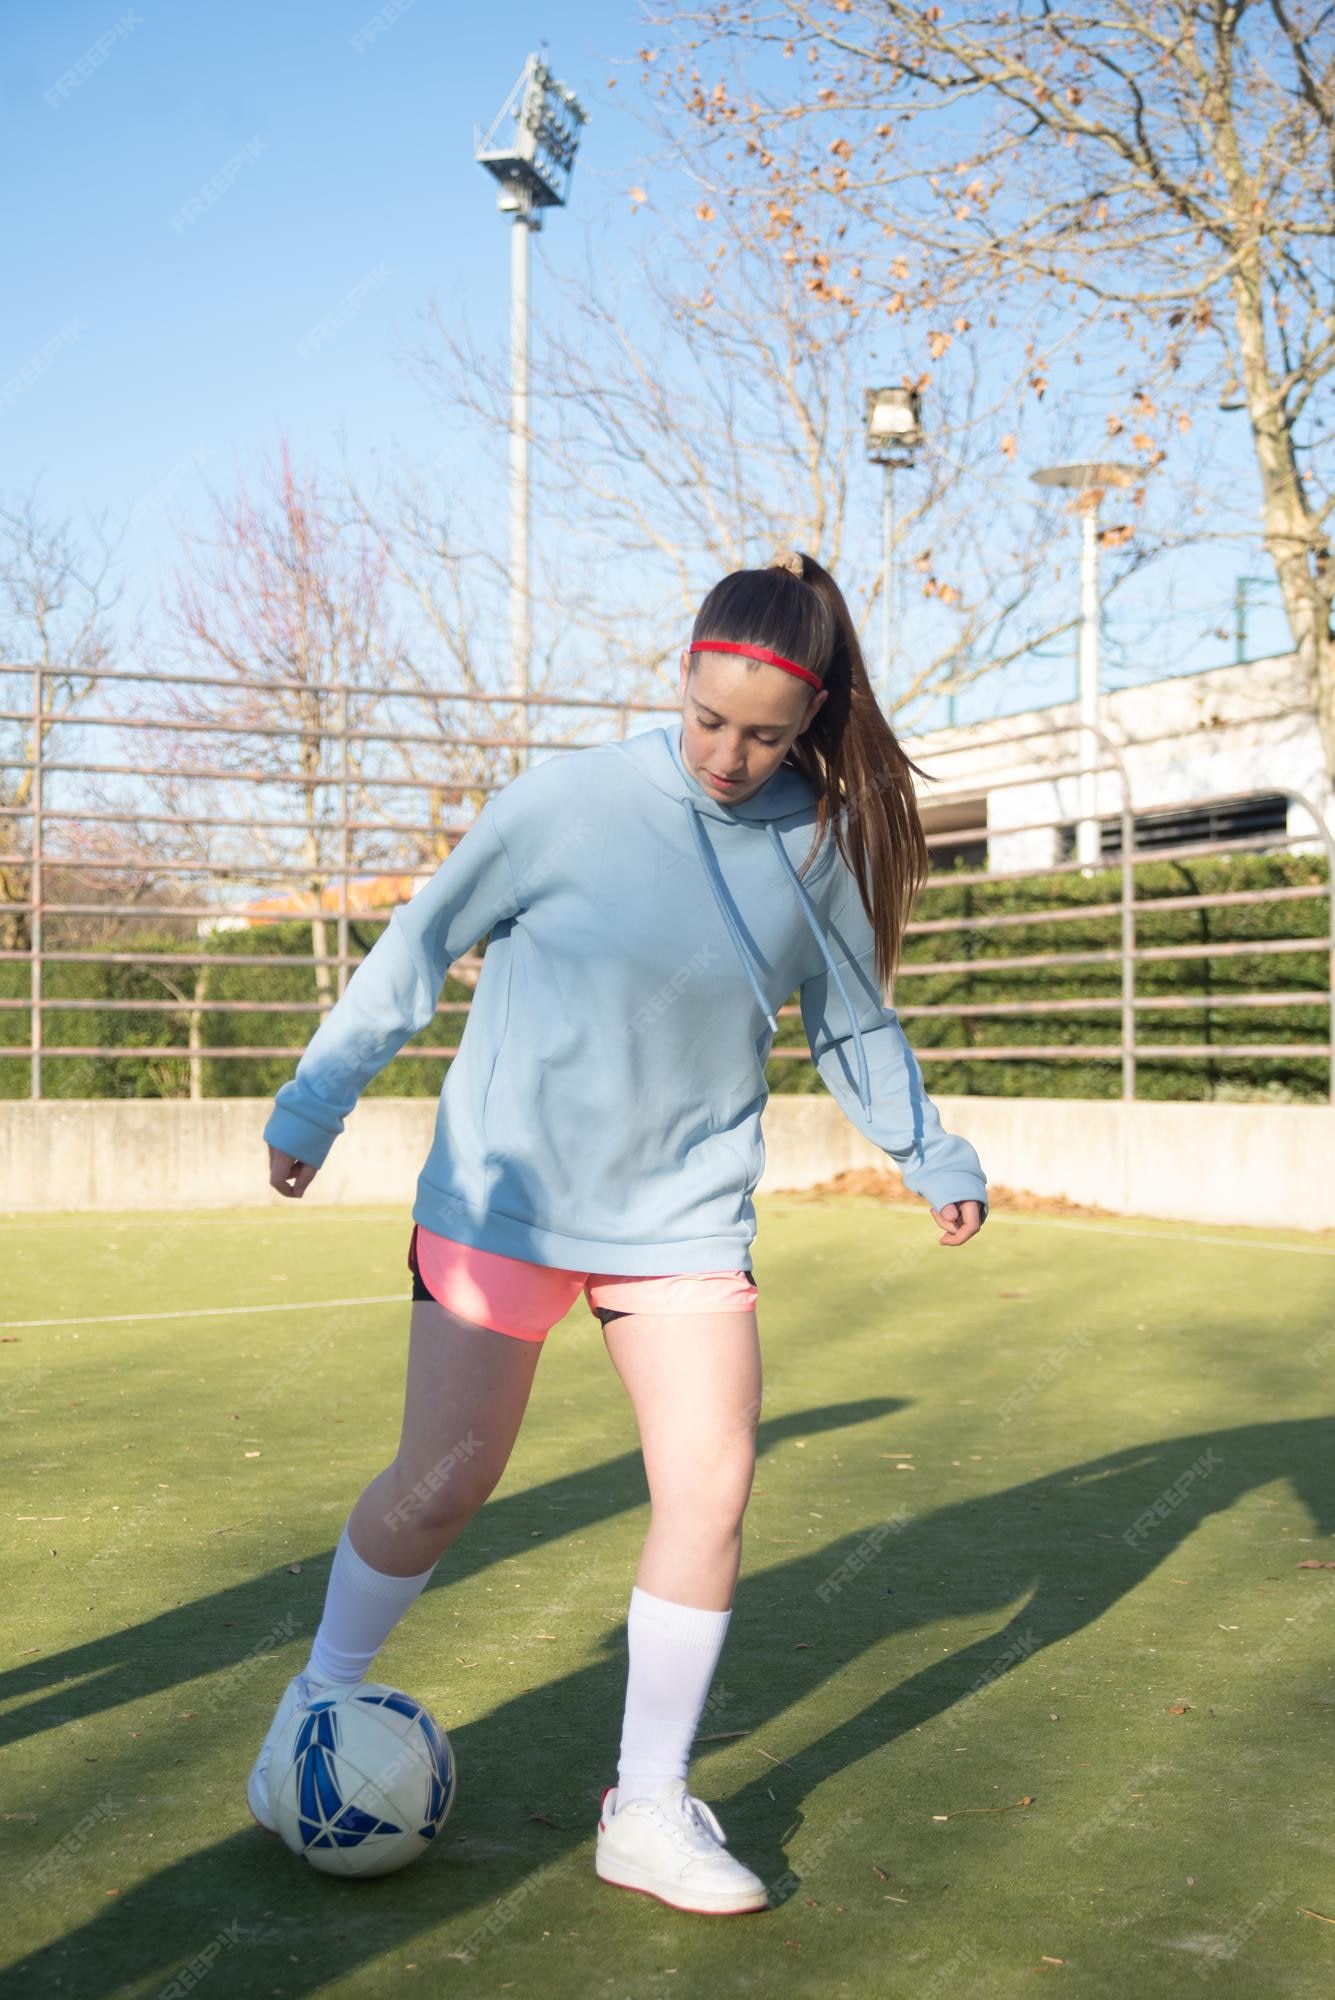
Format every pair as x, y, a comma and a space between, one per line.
893, 420
1089, 479
521, 607
533, 164
888, 585
1087, 849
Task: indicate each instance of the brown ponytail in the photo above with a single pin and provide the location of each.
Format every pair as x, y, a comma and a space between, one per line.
862, 777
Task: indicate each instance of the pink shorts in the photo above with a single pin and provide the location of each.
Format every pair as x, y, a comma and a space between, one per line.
526, 1300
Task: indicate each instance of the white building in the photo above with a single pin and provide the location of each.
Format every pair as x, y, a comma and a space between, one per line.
1219, 754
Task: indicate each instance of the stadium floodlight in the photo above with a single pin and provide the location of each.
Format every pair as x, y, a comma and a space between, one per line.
894, 425
894, 433
1089, 478
533, 166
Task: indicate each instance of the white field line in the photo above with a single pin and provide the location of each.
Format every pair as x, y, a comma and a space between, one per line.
394, 1298
1165, 1235
1111, 1228
1002, 1218
214, 1312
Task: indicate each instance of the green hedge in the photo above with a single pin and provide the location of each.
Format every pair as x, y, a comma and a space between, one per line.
229, 978
1300, 1079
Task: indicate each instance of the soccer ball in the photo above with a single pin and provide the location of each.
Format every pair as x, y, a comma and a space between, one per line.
361, 1782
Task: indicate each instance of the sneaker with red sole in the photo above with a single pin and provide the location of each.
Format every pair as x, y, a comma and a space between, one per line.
670, 1845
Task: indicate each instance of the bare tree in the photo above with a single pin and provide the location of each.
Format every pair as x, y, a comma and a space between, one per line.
449, 581
291, 611
57, 597
704, 407
1157, 176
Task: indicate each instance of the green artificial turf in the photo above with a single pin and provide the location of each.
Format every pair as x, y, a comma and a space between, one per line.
1037, 1730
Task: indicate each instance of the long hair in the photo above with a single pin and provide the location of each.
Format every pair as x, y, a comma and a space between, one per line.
851, 755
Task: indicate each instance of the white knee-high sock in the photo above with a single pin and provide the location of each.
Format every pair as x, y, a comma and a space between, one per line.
674, 1650
361, 1608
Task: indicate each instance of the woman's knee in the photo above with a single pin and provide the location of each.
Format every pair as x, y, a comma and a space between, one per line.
444, 1492
708, 1499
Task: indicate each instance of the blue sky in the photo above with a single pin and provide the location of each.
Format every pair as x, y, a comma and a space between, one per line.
187, 337
163, 356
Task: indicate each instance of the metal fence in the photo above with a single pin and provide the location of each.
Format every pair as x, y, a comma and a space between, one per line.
92, 845
1107, 760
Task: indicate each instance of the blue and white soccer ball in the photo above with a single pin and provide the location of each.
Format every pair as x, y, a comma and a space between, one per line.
361, 1782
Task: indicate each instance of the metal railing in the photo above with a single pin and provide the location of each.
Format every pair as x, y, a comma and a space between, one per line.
1128, 1049
347, 774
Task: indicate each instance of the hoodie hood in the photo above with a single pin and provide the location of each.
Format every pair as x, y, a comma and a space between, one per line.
786, 793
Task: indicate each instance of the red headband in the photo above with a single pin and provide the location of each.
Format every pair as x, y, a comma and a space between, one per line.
756, 653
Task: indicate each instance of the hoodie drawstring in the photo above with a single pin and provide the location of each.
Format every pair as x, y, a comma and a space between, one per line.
709, 862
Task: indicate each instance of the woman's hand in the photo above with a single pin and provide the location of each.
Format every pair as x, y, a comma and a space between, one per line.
960, 1220
289, 1176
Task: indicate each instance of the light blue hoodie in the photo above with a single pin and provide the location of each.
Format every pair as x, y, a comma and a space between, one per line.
603, 1111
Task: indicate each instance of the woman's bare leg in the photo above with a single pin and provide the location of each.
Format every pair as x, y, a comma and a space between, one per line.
694, 1381
466, 1393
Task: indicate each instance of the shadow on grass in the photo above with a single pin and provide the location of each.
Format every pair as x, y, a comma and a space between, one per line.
1073, 1542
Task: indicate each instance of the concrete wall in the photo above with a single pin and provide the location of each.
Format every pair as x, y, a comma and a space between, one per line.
1265, 1165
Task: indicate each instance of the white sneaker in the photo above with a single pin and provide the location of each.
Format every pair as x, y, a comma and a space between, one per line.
300, 1692
670, 1845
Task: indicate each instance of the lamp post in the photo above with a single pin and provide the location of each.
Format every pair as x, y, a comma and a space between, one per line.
534, 169
1090, 481
894, 433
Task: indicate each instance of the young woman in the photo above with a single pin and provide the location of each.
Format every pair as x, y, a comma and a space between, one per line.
649, 904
